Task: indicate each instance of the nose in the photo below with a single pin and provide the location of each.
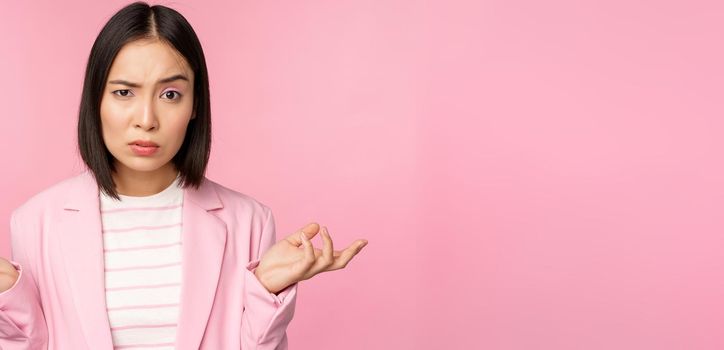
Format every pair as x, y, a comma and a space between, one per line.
148, 120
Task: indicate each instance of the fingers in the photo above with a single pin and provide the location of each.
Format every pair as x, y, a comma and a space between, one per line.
347, 255
318, 253
309, 257
309, 230
326, 258
328, 247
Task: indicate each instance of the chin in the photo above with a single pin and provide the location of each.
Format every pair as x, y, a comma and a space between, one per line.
144, 163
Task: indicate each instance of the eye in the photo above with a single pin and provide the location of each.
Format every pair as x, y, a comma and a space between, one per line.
123, 93
170, 94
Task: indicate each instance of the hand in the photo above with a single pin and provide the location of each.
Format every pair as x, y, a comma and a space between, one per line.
295, 259
8, 275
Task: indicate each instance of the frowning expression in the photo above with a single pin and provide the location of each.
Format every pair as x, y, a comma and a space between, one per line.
148, 96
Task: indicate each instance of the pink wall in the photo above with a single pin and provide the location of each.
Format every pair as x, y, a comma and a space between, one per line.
530, 174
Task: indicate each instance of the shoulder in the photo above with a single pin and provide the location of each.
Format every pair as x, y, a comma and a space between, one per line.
240, 212
235, 200
50, 198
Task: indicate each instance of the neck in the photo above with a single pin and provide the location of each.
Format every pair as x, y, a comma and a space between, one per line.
130, 182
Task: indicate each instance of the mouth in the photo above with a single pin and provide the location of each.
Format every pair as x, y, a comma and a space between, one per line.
142, 143
140, 148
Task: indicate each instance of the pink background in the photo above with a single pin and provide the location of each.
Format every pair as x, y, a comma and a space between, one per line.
529, 174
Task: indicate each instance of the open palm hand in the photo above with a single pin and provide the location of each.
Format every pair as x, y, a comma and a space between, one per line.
295, 259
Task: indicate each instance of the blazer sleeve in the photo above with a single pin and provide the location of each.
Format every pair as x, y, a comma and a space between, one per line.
22, 322
265, 315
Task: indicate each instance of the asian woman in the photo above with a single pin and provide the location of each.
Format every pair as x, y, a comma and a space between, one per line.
142, 250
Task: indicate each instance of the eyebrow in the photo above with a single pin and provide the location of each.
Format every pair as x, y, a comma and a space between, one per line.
164, 80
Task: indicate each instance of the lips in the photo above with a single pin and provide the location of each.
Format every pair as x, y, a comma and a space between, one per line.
144, 143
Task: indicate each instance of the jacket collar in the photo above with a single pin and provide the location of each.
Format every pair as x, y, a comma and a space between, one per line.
86, 191
203, 240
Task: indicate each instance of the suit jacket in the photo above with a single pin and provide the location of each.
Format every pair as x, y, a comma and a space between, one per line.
58, 301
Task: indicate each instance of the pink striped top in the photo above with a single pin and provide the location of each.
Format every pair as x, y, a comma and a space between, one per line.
142, 250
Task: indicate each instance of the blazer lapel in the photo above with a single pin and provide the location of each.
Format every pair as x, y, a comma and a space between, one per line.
81, 241
203, 242
203, 239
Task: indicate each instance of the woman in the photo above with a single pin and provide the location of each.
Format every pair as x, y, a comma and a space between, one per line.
141, 250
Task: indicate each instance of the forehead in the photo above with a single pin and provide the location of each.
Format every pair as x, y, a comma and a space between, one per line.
148, 60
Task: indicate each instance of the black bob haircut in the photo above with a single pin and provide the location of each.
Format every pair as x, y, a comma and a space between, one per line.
141, 21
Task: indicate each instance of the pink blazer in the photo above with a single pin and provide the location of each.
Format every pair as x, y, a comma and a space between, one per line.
58, 301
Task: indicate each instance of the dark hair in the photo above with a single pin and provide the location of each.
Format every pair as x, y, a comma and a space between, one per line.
139, 21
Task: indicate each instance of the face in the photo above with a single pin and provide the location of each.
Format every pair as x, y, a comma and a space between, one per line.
148, 96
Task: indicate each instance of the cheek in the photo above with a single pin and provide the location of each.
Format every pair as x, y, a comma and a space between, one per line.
178, 122
111, 121
178, 129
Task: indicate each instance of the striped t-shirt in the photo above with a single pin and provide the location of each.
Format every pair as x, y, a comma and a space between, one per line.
142, 250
